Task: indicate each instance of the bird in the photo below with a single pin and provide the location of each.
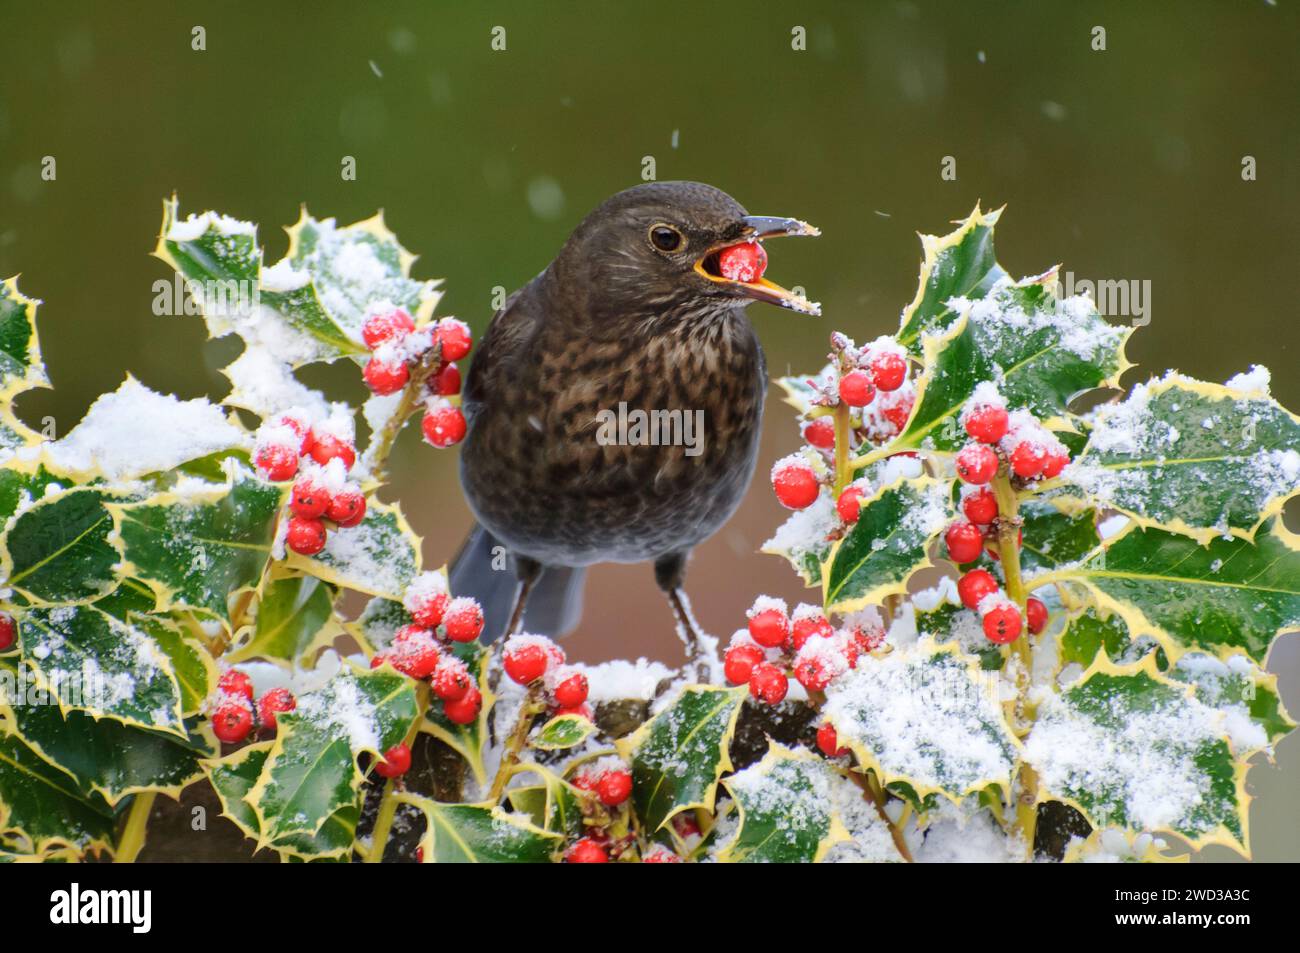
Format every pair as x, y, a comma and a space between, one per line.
633, 314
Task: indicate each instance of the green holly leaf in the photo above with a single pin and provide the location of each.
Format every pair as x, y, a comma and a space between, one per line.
1192, 457
678, 755
195, 670
310, 772
295, 618
1131, 748
378, 622
21, 367
41, 805
21, 483
554, 805
1053, 538
785, 810
58, 550
199, 549
1248, 696
379, 556
889, 542
1088, 632
480, 834
1229, 594
468, 740
927, 716
563, 731
951, 622
803, 540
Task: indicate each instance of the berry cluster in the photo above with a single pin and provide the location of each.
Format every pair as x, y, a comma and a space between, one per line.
607, 780
804, 644
317, 457
235, 714
979, 591
8, 632
535, 659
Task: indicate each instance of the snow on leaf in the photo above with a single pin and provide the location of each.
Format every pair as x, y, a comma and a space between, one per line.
802, 539
58, 550
379, 556
480, 834
1247, 695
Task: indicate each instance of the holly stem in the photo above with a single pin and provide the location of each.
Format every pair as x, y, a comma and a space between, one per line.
412, 397
532, 706
388, 800
137, 826
843, 472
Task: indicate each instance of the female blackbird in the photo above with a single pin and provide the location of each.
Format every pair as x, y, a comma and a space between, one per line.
634, 315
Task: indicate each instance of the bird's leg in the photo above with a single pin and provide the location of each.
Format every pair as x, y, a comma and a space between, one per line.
527, 570
669, 571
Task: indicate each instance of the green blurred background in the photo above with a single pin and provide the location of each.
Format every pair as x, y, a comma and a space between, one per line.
1121, 164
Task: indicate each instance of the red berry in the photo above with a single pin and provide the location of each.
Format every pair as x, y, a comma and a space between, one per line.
829, 742
768, 683
396, 762
1028, 459
659, 854
347, 507
305, 536
300, 429
385, 326
581, 711
326, 447
527, 663
444, 425
7, 631
849, 505
868, 640
415, 651
974, 586
769, 628
739, 661
1037, 613
463, 620
981, 506
965, 541
586, 851
820, 433
987, 423
454, 337
805, 627
898, 412
419, 855
309, 499
232, 722
446, 382
812, 673
385, 378
451, 679
572, 691
235, 682
277, 461
889, 370
1002, 624
976, 464
614, 787
745, 262
428, 610
272, 703
1055, 463
856, 389
796, 486
465, 709
379, 659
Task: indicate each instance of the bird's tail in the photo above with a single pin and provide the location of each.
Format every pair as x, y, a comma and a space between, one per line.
484, 570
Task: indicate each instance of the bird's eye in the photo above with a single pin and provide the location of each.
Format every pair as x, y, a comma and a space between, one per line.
665, 238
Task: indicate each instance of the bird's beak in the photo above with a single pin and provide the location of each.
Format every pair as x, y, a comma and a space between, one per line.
757, 228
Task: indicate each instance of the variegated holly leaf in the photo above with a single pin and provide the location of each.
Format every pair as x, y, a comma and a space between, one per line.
311, 773
889, 542
379, 556
1247, 695
1192, 457
199, 549
1053, 538
1111, 845
41, 805
951, 622
468, 740
1229, 594
961, 264
378, 622
23, 483
678, 755
1131, 748
554, 805
785, 810
21, 367
927, 716
58, 550
196, 672
562, 731
803, 540
480, 834
1088, 632
295, 618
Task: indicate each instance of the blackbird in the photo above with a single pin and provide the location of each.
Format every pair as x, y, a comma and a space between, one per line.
634, 314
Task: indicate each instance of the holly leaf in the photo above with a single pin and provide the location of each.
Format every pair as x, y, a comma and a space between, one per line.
1247, 695
951, 622
378, 622
926, 716
480, 834
295, 618
1088, 632
562, 731
195, 670
468, 740
785, 810
58, 550
803, 540
42, 806
379, 556
1191, 457
21, 367
1054, 538
1131, 748
889, 542
678, 755
554, 805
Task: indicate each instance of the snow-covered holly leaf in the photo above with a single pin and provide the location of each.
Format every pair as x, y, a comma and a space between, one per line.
20, 351
58, 550
378, 622
1192, 457
480, 834
927, 716
799, 393
562, 731
310, 772
1111, 845
196, 672
961, 264
22, 483
1131, 748
379, 556
802, 539
888, 543
785, 810
1244, 692
295, 617
199, 549
468, 740
678, 755
1053, 538
953, 622
41, 804
1229, 594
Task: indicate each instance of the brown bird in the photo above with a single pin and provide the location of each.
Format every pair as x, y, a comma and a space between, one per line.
634, 315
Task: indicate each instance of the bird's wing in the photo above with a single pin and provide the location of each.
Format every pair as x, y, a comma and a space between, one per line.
497, 357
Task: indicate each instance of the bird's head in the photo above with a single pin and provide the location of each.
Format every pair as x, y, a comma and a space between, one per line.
660, 248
